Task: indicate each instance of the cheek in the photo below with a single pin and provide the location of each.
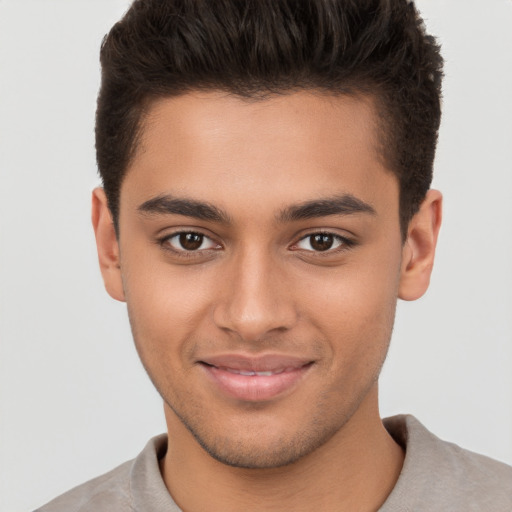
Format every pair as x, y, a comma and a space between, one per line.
166, 305
354, 308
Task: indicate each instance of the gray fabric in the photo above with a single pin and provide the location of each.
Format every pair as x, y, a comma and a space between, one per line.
440, 476
436, 476
134, 486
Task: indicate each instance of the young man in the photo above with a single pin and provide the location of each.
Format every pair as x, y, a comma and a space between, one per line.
266, 170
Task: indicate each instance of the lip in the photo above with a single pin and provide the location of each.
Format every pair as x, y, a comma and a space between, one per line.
255, 379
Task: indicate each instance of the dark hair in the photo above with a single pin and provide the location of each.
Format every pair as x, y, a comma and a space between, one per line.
253, 48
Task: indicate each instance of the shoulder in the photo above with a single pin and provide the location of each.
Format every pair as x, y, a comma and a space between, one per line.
438, 475
100, 493
118, 489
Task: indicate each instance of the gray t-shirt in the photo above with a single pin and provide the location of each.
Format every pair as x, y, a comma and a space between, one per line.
436, 476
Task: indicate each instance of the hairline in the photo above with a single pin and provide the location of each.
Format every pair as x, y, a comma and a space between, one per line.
373, 96
372, 99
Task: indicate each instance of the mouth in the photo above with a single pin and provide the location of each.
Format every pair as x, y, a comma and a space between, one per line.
260, 373
255, 379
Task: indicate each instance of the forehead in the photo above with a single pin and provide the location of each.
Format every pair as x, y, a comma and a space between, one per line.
285, 148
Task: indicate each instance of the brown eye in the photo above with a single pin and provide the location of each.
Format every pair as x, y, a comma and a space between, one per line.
322, 242
188, 241
191, 241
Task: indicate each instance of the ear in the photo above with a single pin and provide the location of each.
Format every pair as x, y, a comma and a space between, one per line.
107, 245
420, 247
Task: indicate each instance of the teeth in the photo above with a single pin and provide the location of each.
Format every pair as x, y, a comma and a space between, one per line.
249, 373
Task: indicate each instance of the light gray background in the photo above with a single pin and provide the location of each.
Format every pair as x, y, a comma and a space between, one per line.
74, 399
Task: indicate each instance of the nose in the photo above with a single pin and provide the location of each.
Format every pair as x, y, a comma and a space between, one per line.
256, 300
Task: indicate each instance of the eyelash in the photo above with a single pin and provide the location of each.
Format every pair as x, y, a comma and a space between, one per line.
345, 244
164, 242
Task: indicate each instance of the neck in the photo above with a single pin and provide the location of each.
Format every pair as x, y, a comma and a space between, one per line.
355, 470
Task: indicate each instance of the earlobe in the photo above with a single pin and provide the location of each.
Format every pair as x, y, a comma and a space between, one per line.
419, 248
107, 245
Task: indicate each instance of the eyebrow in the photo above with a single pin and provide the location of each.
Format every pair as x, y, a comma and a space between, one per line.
345, 204
168, 205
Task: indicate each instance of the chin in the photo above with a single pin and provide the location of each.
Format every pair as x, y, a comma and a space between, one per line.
254, 457
260, 450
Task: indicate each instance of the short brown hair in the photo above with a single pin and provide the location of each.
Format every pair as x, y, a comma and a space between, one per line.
253, 48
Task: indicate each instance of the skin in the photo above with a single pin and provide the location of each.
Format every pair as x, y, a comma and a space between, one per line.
257, 285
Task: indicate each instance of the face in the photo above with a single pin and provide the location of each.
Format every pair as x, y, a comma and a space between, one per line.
260, 256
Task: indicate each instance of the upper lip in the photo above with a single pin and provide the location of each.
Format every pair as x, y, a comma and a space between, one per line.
261, 363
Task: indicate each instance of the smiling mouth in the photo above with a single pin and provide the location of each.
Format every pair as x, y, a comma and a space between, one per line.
254, 373
255, 380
